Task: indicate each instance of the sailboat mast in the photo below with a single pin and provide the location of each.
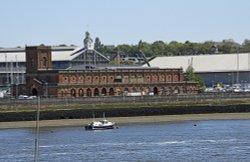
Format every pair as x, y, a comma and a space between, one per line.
37, 129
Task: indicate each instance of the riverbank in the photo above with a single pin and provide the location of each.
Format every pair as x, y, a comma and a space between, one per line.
127, 120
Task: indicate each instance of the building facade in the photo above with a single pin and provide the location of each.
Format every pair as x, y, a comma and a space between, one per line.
13, 61
43, 80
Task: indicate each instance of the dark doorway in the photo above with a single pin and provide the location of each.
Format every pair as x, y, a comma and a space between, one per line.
34, 92
88, 93
111, 92
96, 92
104, 92
155, 91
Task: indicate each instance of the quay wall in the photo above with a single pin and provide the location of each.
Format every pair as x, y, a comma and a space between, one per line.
81, 113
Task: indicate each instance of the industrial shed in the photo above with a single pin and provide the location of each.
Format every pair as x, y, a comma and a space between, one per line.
219, 68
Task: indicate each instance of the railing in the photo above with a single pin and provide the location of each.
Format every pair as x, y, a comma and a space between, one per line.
11, 103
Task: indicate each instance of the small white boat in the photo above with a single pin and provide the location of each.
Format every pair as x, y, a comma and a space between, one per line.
100, 125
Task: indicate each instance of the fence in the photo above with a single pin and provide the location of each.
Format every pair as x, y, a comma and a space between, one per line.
50, 102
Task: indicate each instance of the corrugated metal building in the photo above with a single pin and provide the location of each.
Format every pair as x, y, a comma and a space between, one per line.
223, 68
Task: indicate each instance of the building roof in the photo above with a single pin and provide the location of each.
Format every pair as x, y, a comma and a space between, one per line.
18, 54
205, 63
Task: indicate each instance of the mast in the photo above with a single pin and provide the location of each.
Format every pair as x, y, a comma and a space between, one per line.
37, 129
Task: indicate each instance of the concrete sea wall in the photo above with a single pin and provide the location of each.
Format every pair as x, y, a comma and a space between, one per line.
122, 112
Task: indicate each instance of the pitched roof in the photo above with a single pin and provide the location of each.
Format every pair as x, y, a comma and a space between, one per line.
205, 63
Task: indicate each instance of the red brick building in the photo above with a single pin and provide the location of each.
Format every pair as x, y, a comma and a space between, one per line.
42, 80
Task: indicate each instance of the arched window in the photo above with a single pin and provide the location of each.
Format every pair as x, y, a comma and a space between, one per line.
96, 92
111, 92
32, 62
34, 92
80, 92
104, 92
134, 89
62, 93
169, 90
73, 92
155, 91
118, 92
184, 89
125, 92
148, 90
193, 89
88, 92
176, 90
45, 62
162, 91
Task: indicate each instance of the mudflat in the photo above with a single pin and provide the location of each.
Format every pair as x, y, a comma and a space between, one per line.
126, 120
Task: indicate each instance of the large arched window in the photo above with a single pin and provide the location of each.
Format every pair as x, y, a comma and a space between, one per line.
134, 89
104, 92
184, 89
88, 92
155, 91
96, 92
45, 62
73, 92
162, 91
125, 92
176, 90
65, 92
111, 92
169, 90
80, 92
118, 92
62, 93
148, 90
34, 92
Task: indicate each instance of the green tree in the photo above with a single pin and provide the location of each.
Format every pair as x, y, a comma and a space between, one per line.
113, 63
128, 62
97, 45
228, 46
245, 46
145, 47
191, 76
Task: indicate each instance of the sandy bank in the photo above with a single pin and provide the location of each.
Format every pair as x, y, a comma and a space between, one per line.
127, 120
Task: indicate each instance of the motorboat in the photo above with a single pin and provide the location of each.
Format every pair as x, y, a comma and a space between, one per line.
100, 125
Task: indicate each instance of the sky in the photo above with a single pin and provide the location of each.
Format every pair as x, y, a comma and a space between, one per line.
54, 22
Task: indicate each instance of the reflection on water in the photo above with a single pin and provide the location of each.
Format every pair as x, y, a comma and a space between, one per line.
208, 141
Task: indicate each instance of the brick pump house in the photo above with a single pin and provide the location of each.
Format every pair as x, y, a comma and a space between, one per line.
42, 80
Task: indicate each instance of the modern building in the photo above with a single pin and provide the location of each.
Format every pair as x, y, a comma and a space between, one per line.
218, 68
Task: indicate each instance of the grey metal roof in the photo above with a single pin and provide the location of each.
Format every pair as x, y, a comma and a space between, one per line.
205, 63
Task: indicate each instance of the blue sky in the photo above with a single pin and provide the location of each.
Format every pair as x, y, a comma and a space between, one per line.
54, 22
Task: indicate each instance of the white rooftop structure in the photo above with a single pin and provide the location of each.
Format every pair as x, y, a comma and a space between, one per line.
205, 63
58, 54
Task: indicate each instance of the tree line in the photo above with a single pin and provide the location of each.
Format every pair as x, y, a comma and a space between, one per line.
174, 48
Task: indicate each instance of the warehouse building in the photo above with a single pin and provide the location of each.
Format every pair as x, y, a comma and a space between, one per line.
221, 68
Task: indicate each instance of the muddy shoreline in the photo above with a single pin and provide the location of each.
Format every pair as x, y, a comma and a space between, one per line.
127, 120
